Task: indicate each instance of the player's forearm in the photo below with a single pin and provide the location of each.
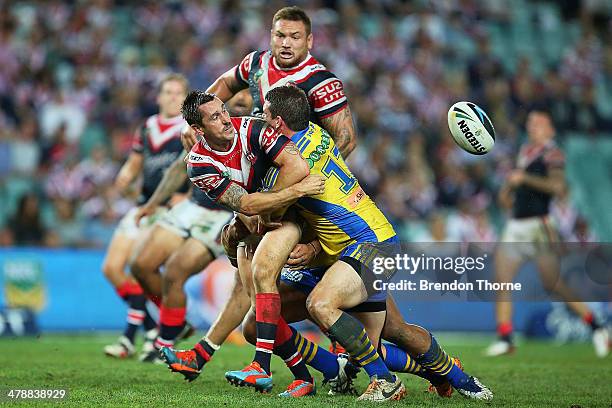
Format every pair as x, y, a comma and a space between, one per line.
174, 177
225, 86
505, 196
342, 130
130, 169
267, 202
549, 185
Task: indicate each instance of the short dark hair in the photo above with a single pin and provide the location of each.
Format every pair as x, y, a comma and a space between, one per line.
191, 104
293, 13
290, 103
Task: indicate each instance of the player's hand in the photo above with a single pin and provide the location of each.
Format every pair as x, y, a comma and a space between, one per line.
266, 223
248, 225
516, 178
144, 211
312, 185
302, 255
188, 138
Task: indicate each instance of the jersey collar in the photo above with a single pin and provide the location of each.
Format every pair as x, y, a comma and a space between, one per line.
296, 136
231, 149
297, 67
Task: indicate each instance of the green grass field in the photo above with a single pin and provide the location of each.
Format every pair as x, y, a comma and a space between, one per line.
538, 375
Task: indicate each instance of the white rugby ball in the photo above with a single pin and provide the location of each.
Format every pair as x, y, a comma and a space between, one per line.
471, 128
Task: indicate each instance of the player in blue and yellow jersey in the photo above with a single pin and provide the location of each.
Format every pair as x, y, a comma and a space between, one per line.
347, 222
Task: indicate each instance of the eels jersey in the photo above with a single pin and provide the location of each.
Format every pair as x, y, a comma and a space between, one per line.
343, 214
159, 141
259, 72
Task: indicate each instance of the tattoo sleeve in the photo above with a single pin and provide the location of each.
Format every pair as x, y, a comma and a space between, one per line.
341, 128
232, 196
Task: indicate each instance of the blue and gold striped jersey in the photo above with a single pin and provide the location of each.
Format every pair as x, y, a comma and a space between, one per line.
343, 214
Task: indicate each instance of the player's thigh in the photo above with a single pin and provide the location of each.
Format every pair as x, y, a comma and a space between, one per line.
116, 259
373, 323
507, 263
155, 250
189, 259
340, 288
293, 303
274, 249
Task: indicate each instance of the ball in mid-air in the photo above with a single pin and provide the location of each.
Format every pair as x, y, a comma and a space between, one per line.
471, 128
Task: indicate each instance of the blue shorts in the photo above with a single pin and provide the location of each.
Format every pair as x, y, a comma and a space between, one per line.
355, 255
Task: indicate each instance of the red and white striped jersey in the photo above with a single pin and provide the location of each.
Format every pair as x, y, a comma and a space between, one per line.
259, 72
253, 152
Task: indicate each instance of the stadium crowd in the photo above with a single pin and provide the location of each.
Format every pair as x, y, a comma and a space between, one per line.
77, 78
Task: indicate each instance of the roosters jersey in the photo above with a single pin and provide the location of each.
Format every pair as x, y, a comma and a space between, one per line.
343, 214
259, 72
253, 151
537, 161
159, 140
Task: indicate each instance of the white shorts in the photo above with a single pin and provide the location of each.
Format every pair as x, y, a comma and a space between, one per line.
128, 227
529, 236
189, 220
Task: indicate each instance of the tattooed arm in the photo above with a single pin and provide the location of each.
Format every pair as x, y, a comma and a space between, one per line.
292, 167
293, 182
226, 86
341, 128
174, 177
238, 199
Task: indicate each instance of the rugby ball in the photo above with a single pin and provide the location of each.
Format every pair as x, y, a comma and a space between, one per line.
471, 128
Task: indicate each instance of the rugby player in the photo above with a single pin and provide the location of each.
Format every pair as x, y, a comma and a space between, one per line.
156, 145
539, 177
229, 162
200, 229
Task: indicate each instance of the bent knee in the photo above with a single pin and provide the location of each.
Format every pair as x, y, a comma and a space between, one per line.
318, 306
113, 269
263, 273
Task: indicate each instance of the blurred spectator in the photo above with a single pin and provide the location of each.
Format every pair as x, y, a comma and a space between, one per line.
65, 225
79, 77
25, 150
59, 112
25, 225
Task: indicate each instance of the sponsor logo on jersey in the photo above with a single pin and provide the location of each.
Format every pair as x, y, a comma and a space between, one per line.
293, 276
258, 75
330, 92
208, 182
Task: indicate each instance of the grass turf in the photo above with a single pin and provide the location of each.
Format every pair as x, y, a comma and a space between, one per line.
538, 375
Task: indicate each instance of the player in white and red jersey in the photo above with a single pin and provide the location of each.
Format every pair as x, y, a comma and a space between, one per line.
156, 145
289, 61
539, 177
229, 164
